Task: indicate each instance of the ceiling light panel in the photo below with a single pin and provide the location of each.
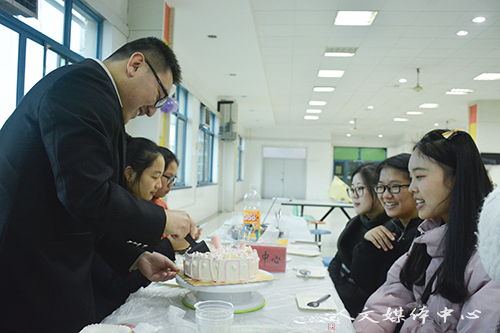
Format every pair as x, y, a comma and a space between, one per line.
428, 106
414, 113
355, 17
311, 117
400, 119
330, 73
488, 76
313, 111
340, 51
323, 89
459, 91
317, 103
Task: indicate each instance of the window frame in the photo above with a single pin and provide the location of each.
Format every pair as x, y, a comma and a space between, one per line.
181, 121
26, 32
206, 139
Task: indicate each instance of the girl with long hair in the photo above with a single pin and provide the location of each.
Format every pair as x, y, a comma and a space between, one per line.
440, 285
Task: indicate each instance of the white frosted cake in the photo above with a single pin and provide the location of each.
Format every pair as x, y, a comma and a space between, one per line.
224, 264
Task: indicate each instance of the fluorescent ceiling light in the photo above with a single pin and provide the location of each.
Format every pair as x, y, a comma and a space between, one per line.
348, 135
478, 19
488, 76
428, 106
403, 80
414, 113
458, 91
339, 54
351, 121
330, 73
370, 107
323, 89
340, 51
380, 136
436, 124
400, 119
355, 17
320, 103
462, 33
313, 111
311, 117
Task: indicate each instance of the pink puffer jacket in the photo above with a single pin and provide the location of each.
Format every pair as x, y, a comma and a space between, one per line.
479, 313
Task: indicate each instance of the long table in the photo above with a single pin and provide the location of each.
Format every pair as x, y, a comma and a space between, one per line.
328, 204
281, 312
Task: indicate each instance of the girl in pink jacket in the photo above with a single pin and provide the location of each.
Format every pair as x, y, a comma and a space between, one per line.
440, 285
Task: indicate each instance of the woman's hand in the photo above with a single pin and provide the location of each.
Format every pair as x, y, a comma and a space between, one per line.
381, 237
156, 267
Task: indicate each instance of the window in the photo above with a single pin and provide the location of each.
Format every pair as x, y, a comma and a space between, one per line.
206, 141
177, 134
239, 165
347, 159
36, 46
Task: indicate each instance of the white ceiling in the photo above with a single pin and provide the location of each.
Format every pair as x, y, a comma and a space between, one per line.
276, 47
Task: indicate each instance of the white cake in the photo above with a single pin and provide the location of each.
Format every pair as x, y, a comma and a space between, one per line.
225, 264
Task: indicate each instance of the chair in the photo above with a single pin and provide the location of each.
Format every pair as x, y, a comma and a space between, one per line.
327, 260
318, 233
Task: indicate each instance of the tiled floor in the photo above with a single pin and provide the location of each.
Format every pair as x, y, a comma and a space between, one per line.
335, 222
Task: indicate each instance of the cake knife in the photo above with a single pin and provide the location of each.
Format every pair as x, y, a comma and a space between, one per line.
201, 247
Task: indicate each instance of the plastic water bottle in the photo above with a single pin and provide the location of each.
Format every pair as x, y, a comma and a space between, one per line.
251, 213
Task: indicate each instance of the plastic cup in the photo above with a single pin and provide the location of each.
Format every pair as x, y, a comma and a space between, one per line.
214, 316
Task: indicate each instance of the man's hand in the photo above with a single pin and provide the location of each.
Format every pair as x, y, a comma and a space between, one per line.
381, 237
179, 224
156, 267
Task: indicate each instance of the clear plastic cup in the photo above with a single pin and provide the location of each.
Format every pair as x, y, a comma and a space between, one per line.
214, 316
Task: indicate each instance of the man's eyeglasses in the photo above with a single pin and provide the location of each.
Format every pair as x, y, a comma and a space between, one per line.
170, 180
393, 189
359, 191
159, 103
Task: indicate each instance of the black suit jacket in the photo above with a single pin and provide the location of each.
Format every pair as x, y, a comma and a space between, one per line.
61, 197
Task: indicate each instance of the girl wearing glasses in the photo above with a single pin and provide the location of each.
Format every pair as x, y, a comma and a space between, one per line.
168, 180
440, 285
384, 244
370, 214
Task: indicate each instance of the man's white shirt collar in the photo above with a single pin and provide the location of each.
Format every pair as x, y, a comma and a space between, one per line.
111, 78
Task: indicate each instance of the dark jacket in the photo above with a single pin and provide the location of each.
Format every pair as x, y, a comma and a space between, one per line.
339, 267
111, 289
370, 265
62, 160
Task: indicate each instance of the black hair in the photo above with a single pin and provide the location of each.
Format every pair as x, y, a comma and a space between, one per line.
368, 173
168, 156
159, 54
141, 154
398, 162
461, 162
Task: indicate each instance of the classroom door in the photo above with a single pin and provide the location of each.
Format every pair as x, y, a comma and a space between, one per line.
284, 178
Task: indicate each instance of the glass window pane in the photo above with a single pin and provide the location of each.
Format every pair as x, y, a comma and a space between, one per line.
53, 61
83, 33
34, 64
180, 151
10, 43
50, 19
172, 138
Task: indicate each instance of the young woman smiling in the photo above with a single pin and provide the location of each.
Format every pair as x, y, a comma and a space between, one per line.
370, 214
384, 244
441, 286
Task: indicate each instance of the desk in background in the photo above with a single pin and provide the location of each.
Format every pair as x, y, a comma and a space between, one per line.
332, 205
281, 312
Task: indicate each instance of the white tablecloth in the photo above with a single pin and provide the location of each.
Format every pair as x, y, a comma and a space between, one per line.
281, 312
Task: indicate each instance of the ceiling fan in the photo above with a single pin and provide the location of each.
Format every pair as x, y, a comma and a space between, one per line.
418, 88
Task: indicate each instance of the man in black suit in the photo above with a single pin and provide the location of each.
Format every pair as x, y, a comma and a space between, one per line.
62, 162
